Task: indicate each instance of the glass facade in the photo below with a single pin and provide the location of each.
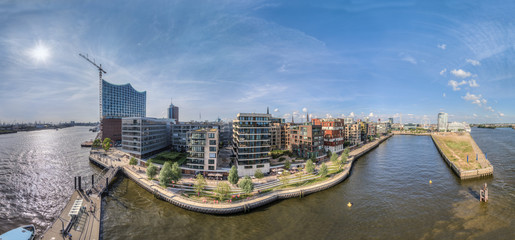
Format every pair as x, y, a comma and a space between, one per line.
119, 101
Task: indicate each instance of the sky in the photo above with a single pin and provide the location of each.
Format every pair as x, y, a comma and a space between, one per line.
214, 59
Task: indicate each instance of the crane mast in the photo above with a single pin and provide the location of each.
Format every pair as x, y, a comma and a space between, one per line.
100, 71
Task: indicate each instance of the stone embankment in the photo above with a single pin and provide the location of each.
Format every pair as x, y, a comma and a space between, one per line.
457, 162
245, 205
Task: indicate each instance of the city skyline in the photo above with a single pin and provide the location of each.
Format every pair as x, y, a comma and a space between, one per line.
216, 59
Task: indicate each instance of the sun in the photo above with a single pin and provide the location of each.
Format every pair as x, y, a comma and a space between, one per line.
40, 52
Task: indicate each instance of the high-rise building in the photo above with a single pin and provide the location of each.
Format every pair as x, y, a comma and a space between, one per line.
143, 137
173, 112
390, 120
251, 141
203, 149
117, 102
442, 122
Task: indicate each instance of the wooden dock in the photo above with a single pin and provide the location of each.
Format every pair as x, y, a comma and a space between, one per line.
81, 217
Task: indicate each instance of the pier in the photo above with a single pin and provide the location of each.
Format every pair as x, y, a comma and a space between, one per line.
463, 155
81, 217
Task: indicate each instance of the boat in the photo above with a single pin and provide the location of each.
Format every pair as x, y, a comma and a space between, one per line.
26, 232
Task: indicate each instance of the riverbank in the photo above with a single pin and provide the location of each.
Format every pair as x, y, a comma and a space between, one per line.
462, 154
243, 206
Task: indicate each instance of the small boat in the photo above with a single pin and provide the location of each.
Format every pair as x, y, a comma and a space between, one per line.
22, 233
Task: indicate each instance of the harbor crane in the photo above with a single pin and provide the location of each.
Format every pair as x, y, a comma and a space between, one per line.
100, 71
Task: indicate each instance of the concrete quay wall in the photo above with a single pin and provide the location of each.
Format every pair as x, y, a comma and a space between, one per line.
463, 174
245, 205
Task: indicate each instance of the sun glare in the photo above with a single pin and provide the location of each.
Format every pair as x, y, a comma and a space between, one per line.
40, 52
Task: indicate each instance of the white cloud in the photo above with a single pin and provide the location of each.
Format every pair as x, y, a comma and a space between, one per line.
371, 114
443, 71
442, 46
471, 97
501, 114
473, 83
408, 58
473, 62
444, 95
343, 115
475, 115
276, 110
455, 85
327, 115
490, 109
460, 73
351, 114
305, 110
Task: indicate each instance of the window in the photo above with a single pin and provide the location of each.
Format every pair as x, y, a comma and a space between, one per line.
260, 166
212, 149
211, 135
211, 167
211, 161
212, 155
212, 142
249, 167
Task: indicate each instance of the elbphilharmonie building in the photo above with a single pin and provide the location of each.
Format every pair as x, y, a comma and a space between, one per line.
117, 102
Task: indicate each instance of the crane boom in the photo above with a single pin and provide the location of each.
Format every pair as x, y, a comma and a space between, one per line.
100, 71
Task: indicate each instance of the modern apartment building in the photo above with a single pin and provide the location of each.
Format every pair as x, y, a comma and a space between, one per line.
334, 133
353, 133
371, 129
443, 120
251, 142
306, 140
143, 137
117, 102
203, 149
179, 134
277, 133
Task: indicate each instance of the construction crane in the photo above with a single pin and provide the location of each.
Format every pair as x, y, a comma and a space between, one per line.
100, 71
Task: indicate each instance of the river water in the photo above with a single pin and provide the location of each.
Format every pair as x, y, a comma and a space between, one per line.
36, 174
389, 188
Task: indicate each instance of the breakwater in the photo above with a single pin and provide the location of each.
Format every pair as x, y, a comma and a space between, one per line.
245, 205
457, 162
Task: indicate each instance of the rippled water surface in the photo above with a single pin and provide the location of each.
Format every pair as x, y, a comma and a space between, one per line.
389, 188
36, 174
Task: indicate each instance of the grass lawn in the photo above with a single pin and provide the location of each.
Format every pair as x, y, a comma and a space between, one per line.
457, 148
170, 156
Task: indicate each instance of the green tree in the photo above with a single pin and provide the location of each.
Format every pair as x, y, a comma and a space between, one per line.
233, 175
346, 151
246, 185
151, 171
106, 144
133, 161
166, 175
313, 158
284, 177
323, 170
258, 174
200, 183
222, 189
149, 162
176, 172
334, 159
329, 153
343, 160
310, 167
96, 143
287, 165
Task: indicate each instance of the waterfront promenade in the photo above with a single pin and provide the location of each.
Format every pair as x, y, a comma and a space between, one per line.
220, 208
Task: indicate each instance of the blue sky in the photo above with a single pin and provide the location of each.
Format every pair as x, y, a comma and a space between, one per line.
217, 58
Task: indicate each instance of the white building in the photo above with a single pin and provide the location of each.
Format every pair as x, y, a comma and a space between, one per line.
203, 149
251, 140
458, 127
443, 119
